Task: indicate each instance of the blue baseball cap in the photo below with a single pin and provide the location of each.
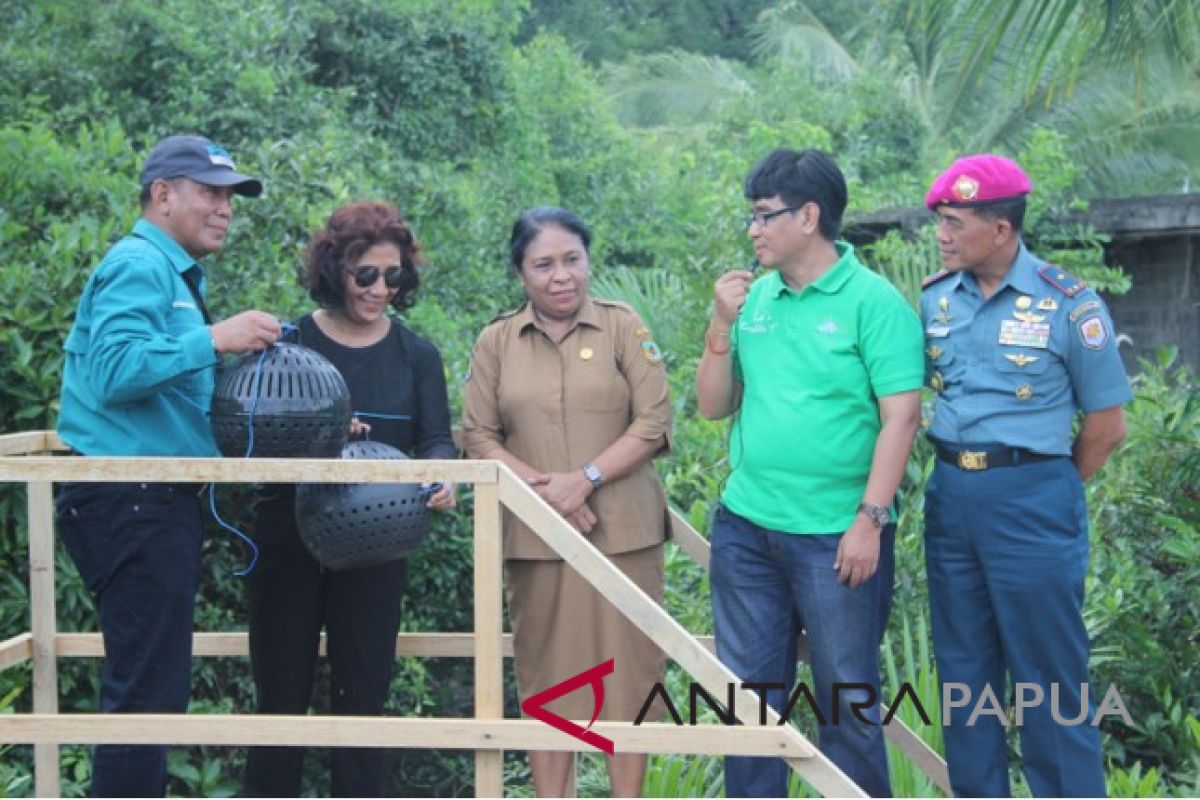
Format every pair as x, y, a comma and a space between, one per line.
195, 157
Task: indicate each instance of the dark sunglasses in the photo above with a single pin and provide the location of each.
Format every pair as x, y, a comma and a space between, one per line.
366, 276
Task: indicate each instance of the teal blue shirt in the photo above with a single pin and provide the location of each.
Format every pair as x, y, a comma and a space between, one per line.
138, 376
1015, 368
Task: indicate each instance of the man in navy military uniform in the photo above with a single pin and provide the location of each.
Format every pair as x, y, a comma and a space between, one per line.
1015, 348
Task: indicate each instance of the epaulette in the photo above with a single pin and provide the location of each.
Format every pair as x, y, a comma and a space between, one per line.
1062, 280
601, 301
932, 279
506, 314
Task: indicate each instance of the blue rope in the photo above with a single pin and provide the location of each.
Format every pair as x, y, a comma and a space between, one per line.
212, 487
212, 505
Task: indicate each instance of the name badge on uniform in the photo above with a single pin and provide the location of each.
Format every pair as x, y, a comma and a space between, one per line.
1024, 334
937, 331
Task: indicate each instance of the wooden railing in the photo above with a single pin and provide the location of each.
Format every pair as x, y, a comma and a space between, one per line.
27, 457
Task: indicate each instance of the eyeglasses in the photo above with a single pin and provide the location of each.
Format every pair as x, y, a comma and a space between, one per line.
366, 276
763, 217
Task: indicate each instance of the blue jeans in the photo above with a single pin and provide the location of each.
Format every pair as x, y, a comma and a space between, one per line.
1007, 550
137, 547
767, 587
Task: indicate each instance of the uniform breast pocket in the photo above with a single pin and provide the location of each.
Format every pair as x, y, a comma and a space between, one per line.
939, 353
1017, 361
184, 318
602, 390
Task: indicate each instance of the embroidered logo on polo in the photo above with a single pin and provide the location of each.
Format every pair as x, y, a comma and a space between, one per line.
828, 327
761, 322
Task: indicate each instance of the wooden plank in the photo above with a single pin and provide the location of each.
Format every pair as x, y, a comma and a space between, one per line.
918, 751
44, 622
443, 645
243, 470
16, 444
454, 733
689, 540
649, 617
489, 622
16, 650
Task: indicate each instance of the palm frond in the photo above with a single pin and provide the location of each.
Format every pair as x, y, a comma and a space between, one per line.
669, 309
672, 88
792, 37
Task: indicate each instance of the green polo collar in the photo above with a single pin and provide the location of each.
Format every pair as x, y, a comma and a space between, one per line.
830, 283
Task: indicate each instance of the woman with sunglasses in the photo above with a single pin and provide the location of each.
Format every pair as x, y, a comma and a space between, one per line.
361, 263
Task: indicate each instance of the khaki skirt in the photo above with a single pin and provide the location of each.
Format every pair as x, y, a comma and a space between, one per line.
562, 626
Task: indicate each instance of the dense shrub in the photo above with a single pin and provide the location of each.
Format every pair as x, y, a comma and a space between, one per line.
440, 107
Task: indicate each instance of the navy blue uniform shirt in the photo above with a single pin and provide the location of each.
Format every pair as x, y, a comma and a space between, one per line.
1015, 368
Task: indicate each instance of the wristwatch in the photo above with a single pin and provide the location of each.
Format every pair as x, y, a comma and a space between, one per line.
593, 475
877, 514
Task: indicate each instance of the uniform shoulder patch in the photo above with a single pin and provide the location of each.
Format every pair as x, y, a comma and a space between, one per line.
505, 314
1093, 332
600, 301
932, 279
1062, 280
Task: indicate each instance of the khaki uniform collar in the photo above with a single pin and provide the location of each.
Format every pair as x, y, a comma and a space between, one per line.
588, 315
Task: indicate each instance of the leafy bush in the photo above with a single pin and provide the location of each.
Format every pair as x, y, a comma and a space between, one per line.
441, 107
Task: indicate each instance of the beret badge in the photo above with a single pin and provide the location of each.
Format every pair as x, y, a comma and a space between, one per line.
966, 188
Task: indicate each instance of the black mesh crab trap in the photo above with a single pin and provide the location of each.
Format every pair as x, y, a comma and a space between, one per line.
361, 524
300, 405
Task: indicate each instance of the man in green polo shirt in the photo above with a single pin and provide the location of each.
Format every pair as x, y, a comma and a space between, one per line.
821, 361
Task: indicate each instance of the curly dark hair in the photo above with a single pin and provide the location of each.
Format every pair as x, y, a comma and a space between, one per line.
351, 231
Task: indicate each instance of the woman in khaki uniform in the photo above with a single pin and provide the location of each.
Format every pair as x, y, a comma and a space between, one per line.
571, 393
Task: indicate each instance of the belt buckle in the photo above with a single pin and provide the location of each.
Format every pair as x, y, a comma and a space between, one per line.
972, 460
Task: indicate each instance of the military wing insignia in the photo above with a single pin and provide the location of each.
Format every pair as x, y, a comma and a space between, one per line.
1022, 360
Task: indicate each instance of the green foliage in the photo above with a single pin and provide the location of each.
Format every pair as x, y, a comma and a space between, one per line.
1146, 573
428, 82
464, 113
610, 30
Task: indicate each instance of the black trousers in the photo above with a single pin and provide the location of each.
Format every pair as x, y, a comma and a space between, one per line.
137, 547
291, 598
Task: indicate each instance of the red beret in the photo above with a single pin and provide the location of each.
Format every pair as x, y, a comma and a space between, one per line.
975, 180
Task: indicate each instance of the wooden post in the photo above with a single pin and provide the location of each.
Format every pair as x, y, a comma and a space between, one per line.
489, 642
42, 613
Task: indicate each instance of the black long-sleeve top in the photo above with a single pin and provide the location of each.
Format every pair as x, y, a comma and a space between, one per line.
401, 375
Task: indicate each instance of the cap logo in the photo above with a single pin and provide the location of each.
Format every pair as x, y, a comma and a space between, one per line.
220, 156
966, 187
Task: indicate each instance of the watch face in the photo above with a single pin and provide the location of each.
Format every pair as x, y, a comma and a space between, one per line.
877, 514
593, 474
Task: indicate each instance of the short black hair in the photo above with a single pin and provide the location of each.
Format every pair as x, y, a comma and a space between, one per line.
1012, 210
799, 177
533, 221
351, 231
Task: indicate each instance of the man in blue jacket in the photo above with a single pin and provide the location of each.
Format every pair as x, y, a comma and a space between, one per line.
137, 381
